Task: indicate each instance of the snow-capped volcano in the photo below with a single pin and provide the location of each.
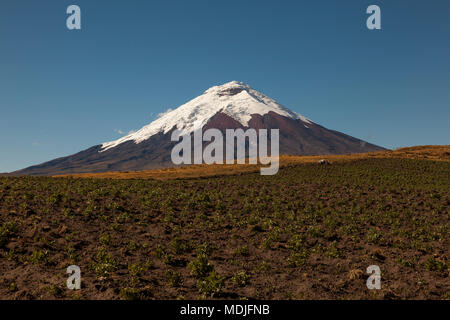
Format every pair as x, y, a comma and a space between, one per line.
234, 99
232, 105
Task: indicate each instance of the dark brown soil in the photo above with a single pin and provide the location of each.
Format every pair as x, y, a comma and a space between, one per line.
308, 232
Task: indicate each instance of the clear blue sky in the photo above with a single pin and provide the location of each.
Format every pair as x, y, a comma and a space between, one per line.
62, 91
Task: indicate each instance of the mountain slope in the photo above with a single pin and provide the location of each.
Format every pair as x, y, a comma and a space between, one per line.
234, 99
229, 106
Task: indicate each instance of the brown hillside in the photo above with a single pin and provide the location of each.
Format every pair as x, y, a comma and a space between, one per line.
436, 153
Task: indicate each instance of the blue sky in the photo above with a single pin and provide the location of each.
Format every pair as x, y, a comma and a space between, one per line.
63, 91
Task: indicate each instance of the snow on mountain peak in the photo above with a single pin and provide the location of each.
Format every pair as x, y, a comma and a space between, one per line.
229, 88
235, 99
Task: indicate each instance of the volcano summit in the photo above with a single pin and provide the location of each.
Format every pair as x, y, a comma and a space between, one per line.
232, 105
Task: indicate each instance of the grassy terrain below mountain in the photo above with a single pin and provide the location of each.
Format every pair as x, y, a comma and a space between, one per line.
438, 153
